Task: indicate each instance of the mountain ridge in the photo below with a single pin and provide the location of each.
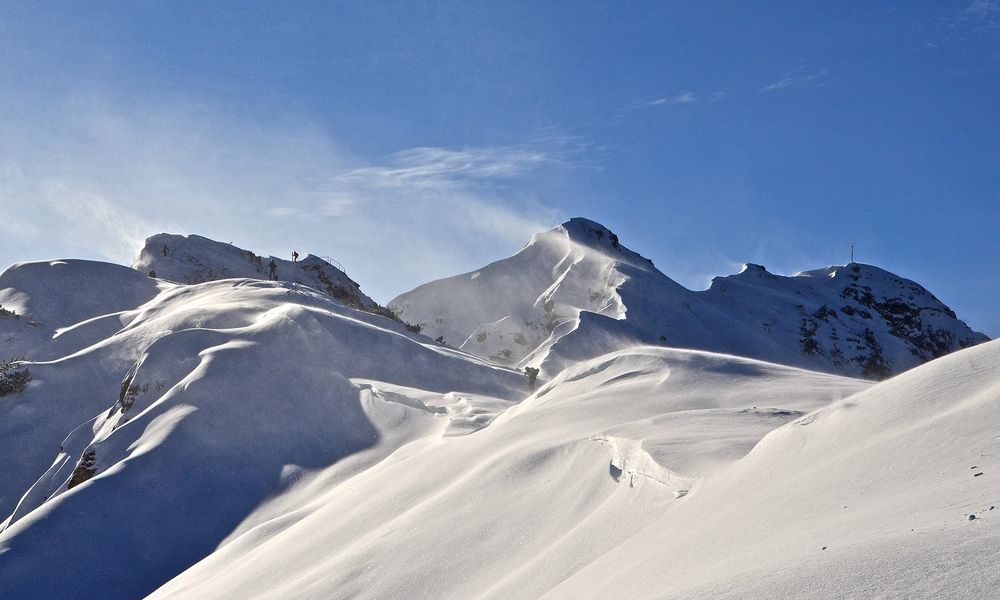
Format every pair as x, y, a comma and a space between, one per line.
250, 438
193, 259
857, 320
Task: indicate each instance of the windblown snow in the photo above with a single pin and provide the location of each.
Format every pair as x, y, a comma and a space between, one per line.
576, 292
206, 433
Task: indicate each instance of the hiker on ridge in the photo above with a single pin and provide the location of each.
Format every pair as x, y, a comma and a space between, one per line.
272, 270
532, 374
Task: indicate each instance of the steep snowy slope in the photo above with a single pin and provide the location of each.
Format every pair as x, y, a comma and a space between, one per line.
579, 493
575, 292
213, 400
197, 259
515, 508
890, 493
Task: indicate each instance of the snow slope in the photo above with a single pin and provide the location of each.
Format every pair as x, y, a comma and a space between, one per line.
254, 439
888, 493
575, 292
214, 399
515, 508
63, 305
579, 493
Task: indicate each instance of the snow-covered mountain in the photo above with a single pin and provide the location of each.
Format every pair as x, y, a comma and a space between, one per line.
177, 419
575, 292
242, 438
197, 259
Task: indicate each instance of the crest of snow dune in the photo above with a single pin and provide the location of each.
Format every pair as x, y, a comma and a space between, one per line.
856, 320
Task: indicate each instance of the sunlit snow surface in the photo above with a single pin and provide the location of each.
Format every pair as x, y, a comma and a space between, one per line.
576, 292
253, 439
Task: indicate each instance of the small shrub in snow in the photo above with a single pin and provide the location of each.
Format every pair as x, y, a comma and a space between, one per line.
12, 379
384, 312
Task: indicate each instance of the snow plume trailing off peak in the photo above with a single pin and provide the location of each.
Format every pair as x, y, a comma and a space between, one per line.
856, 320
507, 309
594, 235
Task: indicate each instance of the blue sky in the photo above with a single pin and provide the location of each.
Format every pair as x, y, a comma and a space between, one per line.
412, 141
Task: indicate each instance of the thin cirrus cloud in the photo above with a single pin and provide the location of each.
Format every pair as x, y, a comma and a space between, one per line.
982, 11
794, 80
978, 17
681, 98
444, 168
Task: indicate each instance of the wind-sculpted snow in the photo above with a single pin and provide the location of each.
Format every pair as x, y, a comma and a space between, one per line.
886, 493
575, 292
64, 305
161, 440
239, 438
513, 509
508, 308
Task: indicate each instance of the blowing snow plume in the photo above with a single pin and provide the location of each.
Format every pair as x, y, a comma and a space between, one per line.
575, 292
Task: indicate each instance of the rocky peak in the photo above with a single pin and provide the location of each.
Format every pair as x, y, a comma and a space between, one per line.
193, 259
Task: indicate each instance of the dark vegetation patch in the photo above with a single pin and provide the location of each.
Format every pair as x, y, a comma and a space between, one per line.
13, 379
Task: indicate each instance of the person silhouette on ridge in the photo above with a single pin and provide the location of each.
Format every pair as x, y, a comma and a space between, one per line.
532, 374
272, 270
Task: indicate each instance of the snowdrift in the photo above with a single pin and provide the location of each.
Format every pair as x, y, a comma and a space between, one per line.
63, 305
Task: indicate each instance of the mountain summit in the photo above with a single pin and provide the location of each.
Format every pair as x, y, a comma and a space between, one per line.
191, 259
575, 291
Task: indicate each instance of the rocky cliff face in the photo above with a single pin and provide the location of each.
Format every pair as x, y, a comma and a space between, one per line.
855, 319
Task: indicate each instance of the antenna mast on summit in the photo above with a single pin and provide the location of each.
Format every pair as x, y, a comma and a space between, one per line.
852, 252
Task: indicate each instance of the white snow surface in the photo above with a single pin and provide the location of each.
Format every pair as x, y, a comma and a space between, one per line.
239, 438
197, 259
575, 292
208, 402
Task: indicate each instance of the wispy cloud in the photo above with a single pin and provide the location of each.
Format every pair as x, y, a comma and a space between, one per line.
95, 178
686, 97
793, 79
980, 15
445, 168
982, 10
